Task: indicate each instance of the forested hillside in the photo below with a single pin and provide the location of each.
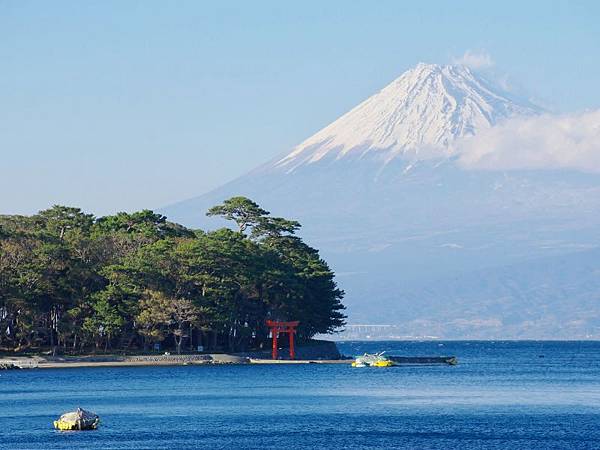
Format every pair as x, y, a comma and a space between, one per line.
71, 282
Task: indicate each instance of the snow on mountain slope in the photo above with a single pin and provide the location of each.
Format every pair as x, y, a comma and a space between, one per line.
416, 116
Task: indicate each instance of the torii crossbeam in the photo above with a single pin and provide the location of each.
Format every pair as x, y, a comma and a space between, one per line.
282, 327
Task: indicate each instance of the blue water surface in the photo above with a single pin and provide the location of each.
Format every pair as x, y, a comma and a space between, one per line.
502, 395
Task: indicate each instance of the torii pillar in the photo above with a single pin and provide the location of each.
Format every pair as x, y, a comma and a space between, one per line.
282, 327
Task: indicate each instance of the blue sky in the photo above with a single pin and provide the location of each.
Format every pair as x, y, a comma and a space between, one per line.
126, 105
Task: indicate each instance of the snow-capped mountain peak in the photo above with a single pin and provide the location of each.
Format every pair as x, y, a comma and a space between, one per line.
430, 245
417, 116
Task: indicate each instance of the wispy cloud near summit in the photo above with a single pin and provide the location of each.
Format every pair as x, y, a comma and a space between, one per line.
475, 59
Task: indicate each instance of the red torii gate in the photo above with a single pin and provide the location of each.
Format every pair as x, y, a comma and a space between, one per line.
283, 327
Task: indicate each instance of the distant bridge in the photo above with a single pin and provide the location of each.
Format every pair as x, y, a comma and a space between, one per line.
358, 331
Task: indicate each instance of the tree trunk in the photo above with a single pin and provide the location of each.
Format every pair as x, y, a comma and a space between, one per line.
129, 342
214, 344
200, 338
231, 340
178, 341
51, 329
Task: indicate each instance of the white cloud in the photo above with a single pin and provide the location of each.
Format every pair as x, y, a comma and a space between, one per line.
541, 142
475, 60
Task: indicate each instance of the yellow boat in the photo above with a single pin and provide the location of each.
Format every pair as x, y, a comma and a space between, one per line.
77, 420
383, 363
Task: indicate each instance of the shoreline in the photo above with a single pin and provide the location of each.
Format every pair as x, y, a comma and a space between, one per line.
149, 361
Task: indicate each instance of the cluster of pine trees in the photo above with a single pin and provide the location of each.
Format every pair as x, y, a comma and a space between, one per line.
74, 283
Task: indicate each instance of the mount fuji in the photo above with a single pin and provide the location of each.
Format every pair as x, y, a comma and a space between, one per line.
419, 115
420, 241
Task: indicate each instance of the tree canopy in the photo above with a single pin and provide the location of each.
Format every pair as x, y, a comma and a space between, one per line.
72, 282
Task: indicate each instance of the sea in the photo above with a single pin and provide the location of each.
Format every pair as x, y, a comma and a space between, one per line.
501, 395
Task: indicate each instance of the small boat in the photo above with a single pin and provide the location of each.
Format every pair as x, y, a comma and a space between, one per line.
77, 420
372, 360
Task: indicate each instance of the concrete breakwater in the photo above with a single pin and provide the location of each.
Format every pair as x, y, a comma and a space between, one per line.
8, 366
150, 360
19, 362
50, 362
